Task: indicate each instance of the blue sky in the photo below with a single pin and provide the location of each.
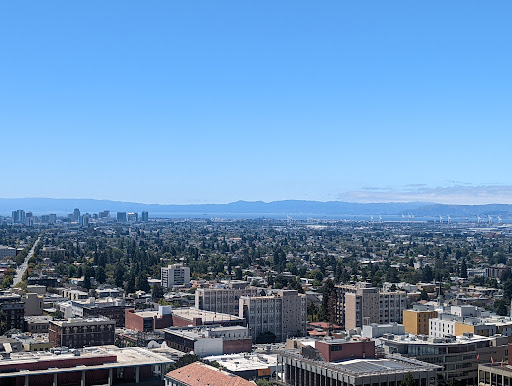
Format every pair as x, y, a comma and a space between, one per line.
218, 101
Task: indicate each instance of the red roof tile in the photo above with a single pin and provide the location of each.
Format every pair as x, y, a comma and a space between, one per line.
200, 374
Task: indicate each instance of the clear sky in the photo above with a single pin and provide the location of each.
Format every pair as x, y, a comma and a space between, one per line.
217, 101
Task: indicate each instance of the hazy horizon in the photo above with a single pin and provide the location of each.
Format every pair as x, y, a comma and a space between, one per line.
215, 102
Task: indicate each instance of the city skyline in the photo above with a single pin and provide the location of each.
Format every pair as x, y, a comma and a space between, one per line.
179, 103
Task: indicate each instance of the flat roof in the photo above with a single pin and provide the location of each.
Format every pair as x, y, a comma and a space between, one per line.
362, 366
206, 316
129, 356
413, 339
80, 321
245, 362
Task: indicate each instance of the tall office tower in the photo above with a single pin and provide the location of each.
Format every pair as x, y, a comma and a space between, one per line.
121, 216
84, 221
76, 215
175, 274
104, 214
134, 217
145, 216
52, 218
18, 216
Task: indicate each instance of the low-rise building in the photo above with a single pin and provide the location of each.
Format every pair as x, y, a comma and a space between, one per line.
200, 374
52, 252
145, 321
249, 366
99, 365
459, 356
416, 321
78, 332
205, 341
37, 324
299, 370
33, 304
6, 251
190, 316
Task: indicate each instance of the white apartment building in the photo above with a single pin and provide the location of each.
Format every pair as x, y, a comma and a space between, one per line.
6, 251
283, 314
174, 275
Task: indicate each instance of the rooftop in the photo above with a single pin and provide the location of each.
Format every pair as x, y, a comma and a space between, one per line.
244, 362
125, 357
370, 366
206, 316
200, 374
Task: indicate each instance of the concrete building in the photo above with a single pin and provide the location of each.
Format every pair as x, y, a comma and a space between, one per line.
362, 304
33, 304
450, 324
175, 275
458, 356
497, 271
283, 314
18, 216
96, 365
205, 341
183, 317
13, 307
495, 374
299, 370
6, 251
200, 374
225, 300
378, 330
78, 332
37, 324
52, 252
249, 366
416, 321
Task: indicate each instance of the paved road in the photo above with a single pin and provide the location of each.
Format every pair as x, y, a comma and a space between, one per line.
21, 269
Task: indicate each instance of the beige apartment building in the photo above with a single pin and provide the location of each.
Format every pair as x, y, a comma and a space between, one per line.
283, 314
361, 304
222, 300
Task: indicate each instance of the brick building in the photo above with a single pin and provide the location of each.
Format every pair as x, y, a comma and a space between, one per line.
78, 332
146, 321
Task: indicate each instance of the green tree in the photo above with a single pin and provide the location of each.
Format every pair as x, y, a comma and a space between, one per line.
238, 274
101, 276
501, 307
141, 282
463, 269
130, 283
157, 292
3, 323
184, 361
408, 380
119, 275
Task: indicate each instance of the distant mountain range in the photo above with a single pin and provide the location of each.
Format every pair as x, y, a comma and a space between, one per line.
254, 208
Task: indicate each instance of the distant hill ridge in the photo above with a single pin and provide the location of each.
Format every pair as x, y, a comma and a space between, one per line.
66, 205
